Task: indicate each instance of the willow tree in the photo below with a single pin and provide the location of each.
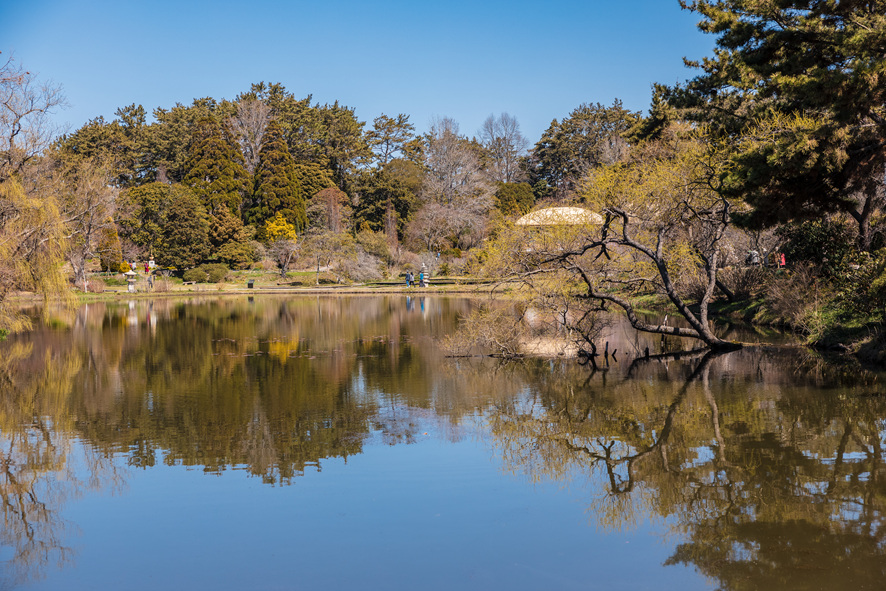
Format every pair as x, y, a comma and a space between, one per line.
32, 250
661, 231
32, 237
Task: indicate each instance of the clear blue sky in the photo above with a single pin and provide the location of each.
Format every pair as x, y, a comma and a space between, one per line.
463, 59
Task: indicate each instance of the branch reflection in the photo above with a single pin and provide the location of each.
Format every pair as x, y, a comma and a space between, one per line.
770, 475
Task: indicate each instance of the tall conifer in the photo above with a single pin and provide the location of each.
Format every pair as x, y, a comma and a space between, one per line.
277, 189
215, 168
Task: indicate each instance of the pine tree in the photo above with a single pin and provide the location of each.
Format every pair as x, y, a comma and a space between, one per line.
803, 84
277, 189
215, 168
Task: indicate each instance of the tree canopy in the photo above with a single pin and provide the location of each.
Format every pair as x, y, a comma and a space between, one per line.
215, 168
277, 189
801, 87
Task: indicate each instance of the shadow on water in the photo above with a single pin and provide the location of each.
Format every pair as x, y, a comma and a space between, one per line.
765, 465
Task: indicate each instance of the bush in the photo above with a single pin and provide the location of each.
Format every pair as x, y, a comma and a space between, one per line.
216, 272
95, 285
207, 273
238, 254
799, 299
197, 275
374, 243
366, 268
825, 244
745, 283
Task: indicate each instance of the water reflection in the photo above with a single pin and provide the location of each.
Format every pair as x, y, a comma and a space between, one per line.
765, 466
772, 477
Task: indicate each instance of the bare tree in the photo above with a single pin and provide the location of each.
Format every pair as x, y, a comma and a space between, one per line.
455, 183
85, 195
431, 227
284, 251
502, 139
25, 126
454, 174
249, 125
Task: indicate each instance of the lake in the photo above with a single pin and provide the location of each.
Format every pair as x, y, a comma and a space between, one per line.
327, 442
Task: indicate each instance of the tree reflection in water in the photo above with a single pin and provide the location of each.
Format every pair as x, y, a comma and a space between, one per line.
770, 474
38, 472
765, 467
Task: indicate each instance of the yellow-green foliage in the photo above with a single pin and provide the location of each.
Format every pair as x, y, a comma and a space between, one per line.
32, 243
277, 228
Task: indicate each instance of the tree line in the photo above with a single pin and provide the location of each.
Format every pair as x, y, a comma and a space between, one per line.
777, 144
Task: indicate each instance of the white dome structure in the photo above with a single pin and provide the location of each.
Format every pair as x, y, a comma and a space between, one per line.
561, 216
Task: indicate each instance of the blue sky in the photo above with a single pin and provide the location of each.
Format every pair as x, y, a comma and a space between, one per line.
461, 59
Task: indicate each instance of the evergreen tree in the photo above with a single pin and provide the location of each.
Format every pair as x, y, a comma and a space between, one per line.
803, 83
109, 248
184, 242
514, 198
313, 178
592, 135
276, 186
215, 168
385, 202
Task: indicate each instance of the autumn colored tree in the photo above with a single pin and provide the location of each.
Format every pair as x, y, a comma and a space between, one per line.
278, 228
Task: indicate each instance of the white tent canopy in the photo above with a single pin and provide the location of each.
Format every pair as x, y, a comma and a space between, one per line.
560, 216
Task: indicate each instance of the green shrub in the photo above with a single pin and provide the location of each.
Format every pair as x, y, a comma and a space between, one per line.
216, 272
207, 273
197, 274
824, 244
237, 254
375, 243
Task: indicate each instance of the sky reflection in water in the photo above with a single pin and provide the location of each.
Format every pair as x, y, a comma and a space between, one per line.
299, 443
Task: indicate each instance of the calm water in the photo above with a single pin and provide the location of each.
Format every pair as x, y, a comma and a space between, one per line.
307, 443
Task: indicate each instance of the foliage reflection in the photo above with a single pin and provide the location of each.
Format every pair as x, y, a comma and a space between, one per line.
771, 475
765, 465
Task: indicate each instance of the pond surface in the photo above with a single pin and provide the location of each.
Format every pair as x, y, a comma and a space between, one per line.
305, 443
